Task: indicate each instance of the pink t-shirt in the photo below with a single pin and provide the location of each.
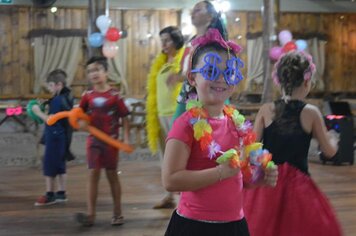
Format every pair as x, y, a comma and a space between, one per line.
221, 201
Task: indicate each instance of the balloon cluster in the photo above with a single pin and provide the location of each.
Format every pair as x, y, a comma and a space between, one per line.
287, 44
107, 37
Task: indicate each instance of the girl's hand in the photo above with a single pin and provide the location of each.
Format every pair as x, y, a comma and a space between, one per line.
271, 176
226, 171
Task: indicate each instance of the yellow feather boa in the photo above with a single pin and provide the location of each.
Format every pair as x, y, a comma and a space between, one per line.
152, 120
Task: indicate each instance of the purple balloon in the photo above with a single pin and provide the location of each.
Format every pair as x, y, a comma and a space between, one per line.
275, 53
284, 37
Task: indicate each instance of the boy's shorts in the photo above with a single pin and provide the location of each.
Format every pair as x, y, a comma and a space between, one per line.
54, 162
101, 155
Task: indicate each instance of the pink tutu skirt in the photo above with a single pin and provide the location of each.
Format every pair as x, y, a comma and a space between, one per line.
295, 207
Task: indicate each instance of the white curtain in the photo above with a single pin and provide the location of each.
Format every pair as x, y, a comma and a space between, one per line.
254, 62
316, 48
52, 53
117, 67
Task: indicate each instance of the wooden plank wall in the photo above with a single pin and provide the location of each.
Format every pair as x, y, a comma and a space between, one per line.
16, 52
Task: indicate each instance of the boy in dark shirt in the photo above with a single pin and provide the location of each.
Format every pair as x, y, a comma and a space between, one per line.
56, 138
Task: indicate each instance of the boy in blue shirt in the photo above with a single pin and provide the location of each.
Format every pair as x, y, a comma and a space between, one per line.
57, 139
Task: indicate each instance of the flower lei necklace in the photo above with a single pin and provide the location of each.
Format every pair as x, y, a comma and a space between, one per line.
247, 153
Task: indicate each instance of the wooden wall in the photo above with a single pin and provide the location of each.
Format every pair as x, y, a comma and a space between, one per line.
16, 52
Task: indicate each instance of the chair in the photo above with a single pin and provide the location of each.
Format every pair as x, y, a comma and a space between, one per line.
137, 119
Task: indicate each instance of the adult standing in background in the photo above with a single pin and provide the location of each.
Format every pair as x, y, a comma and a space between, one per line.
161, 96
204, 16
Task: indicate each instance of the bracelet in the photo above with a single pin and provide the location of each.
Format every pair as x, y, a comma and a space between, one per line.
220, 172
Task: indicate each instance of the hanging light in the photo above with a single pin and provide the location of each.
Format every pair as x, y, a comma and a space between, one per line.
221, 6
54, 9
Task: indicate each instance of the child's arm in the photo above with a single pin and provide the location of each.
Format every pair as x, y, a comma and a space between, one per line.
176, 177
173, 79
83, 103
37, 110
320, 133
126, 127
259, 123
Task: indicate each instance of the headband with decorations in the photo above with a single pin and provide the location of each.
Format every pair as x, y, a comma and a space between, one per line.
210, 71
308, 73
214, 36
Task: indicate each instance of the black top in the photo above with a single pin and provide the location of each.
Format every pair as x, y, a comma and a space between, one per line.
285, 137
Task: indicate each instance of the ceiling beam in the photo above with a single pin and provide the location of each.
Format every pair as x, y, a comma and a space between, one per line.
242, 5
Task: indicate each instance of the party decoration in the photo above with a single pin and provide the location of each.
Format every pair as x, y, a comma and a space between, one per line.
284, 37
110, 49
123, 34
103, 22
30, 112
14, 111
113, 34
96, 40
290, 46
77, 114
275, 53
301, 44
287, 44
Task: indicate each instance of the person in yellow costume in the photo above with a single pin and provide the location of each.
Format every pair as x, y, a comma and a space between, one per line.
161, 98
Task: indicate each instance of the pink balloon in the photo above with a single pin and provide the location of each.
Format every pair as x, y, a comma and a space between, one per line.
284, 37
275, 53
110, 49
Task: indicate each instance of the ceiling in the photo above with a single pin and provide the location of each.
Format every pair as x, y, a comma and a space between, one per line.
243, 5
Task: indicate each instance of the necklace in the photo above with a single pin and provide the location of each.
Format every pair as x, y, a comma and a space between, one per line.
247, 152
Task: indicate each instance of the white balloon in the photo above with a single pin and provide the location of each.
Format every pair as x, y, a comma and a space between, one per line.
103, 23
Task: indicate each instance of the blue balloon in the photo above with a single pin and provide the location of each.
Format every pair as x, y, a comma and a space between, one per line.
96, 40
301, 44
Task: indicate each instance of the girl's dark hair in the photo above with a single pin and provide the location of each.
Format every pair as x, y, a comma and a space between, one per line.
57, 76
175, 34
99, 60
217, 22
290, 71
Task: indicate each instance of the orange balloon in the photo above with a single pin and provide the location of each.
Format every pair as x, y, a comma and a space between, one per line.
52, 119
109, 140
77, 114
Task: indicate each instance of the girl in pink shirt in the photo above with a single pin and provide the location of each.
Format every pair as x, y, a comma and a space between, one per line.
211, 193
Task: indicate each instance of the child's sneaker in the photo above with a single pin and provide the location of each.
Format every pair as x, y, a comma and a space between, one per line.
45, 201
61, 197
